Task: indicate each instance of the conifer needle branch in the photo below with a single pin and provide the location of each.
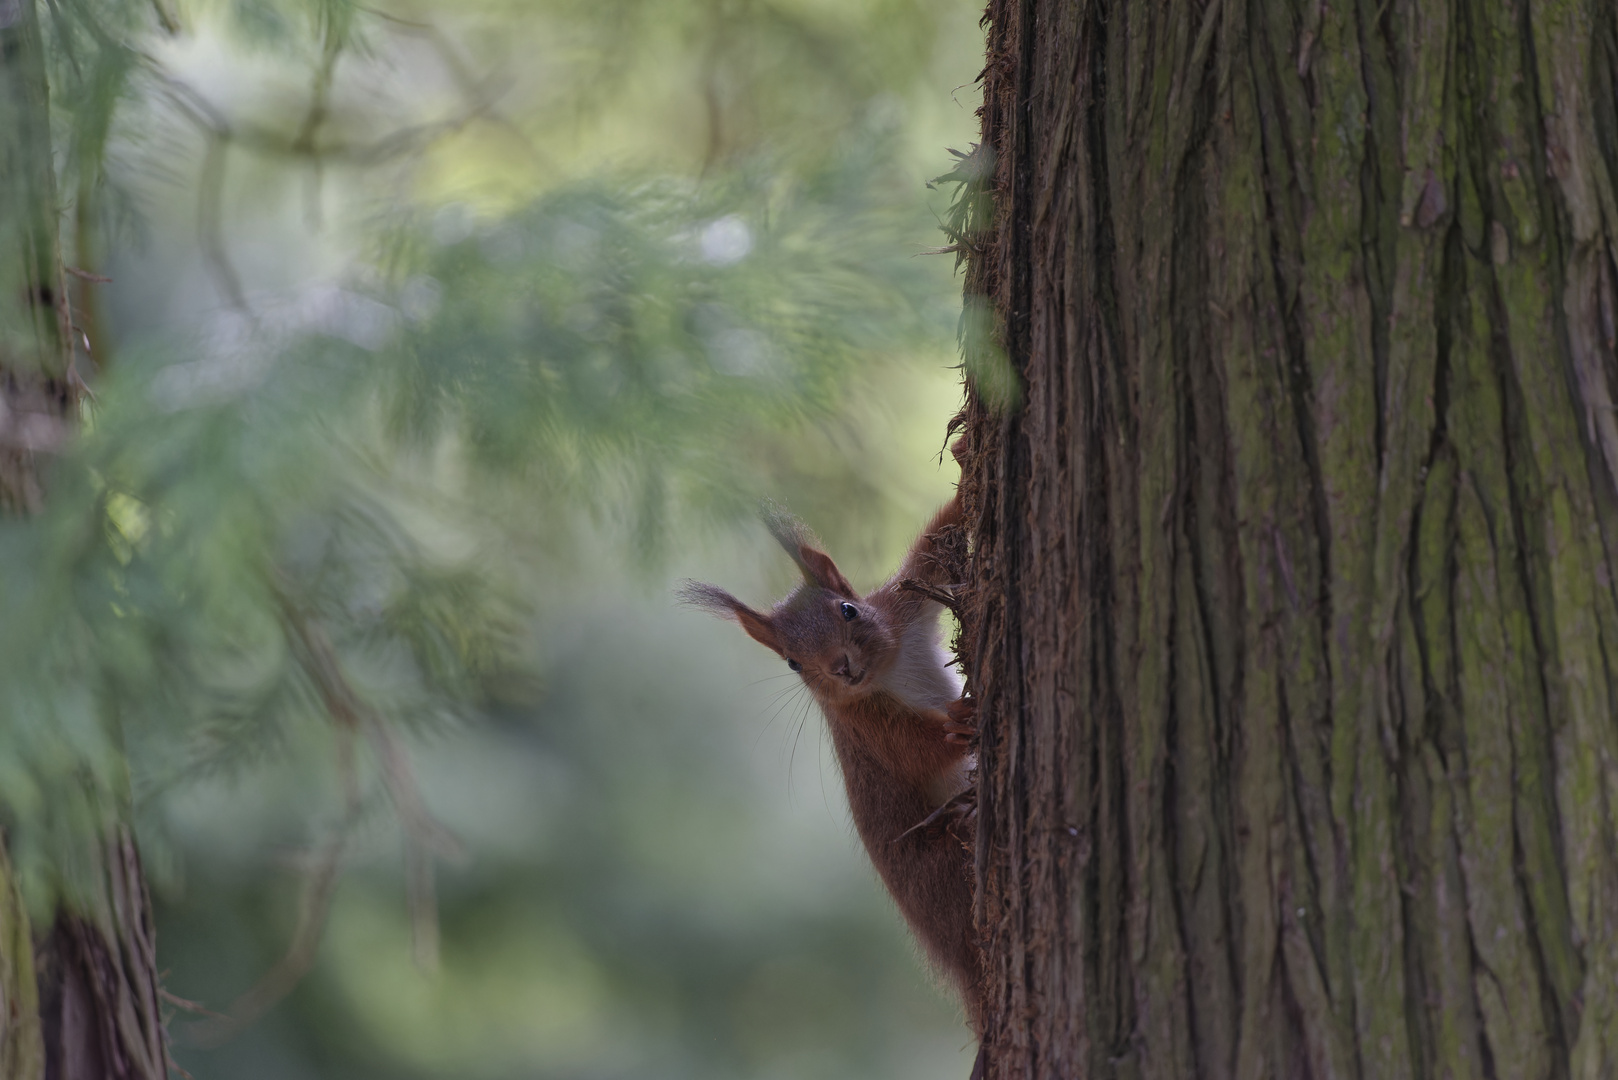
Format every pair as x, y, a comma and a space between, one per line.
207, 117
424, 836
299, 957
480, 90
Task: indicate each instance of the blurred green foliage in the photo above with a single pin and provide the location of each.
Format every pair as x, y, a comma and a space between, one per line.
441, 338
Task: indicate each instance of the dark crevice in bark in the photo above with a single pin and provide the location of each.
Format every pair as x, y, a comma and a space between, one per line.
1406, 865
1604, 89
1017, 255
1169, 800
1106, 403
1448, 297
1486, 1052
1555, 1023
1016, 269
1298, 1065
1308, 901
1377, 237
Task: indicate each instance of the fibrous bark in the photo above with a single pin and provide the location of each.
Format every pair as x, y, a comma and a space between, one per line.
100, 1009
1293, 617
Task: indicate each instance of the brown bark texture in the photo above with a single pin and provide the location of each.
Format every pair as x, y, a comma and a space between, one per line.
1292, 612
100, 1011
79, 1001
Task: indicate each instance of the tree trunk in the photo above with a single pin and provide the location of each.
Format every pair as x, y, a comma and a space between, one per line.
1293, 613
81, 1001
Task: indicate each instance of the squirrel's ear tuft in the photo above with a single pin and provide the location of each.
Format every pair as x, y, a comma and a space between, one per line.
708, 597
800, 543
712, 598
788, 531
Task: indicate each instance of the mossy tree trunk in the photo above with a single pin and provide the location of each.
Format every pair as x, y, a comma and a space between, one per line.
1294, 601
79, 997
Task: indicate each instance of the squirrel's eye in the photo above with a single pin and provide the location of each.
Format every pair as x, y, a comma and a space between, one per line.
850, 612
794, 665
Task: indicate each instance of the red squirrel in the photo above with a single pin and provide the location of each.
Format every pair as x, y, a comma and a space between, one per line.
899, 725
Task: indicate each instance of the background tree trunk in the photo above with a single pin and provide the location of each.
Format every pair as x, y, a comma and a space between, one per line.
1294, 621
81, 1002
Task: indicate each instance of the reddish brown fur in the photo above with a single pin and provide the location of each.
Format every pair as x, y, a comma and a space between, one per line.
898, 763
889, 755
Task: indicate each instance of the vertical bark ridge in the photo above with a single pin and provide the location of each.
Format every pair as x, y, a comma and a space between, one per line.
1293, 621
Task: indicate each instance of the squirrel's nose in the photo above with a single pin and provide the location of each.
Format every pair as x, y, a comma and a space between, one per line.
842, 666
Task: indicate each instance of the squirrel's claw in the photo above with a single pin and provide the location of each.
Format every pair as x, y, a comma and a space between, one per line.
962, 725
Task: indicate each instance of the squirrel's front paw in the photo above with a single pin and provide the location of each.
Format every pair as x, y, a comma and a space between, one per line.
962, 725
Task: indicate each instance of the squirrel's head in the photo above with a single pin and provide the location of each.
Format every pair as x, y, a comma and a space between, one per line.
840, 643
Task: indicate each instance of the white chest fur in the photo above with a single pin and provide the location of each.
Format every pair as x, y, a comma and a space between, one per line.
922, 676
